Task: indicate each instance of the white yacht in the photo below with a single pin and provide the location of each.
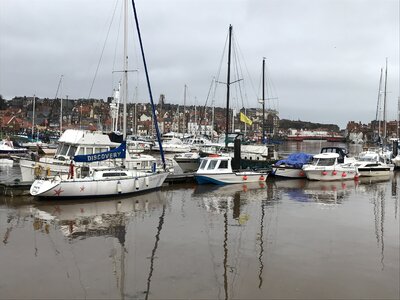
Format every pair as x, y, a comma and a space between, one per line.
369, 163
173, 145
325, 167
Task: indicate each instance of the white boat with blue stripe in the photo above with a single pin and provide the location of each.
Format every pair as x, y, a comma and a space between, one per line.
218, 170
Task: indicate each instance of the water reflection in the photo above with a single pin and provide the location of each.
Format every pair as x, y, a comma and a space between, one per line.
325, 192
207, 242
78, 220
234, 201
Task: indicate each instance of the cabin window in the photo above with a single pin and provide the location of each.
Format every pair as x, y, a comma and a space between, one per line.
89, 151
72, 150
64, 150
203, 164
114, 174
59, 148
326, 162
212, 164
81, 151
98, 150
223, 164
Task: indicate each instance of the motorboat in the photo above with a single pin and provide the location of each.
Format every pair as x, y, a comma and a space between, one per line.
218, 170
174, 145
369, 164
196, 143
7, 147
188, 161
326, 167
291, 167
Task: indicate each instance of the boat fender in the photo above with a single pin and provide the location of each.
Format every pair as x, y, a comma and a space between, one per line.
344, 174
302, 173
334, 172
137, 183
119, 187
38, 170
48, 172
146, 180
244, 177
324, 173
262, 178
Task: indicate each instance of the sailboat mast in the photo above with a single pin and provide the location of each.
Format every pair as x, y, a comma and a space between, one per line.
263, 101
398, 117
33, 116
184, 109
125, 79
377, 116
228, 86
149, 85
384, 107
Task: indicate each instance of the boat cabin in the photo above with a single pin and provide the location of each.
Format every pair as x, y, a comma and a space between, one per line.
342, 152
81, 142
215, 164
326, 159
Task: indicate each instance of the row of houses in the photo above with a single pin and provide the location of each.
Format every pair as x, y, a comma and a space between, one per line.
20, 114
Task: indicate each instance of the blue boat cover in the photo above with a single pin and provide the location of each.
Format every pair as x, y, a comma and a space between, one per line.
296, 160
119, 152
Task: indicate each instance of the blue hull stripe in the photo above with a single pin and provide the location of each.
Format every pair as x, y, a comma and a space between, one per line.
205, 180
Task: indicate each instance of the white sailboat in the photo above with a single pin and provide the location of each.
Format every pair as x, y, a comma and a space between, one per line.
103, 181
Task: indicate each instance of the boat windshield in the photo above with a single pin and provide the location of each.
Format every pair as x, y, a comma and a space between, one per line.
223, 164
203, 164
212, 164
325, 162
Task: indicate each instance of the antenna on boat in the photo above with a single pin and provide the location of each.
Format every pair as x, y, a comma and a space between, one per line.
148, 85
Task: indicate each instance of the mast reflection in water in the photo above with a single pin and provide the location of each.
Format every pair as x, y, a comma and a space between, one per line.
280, 239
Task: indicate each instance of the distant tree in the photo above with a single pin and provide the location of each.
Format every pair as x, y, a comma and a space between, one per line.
2, 103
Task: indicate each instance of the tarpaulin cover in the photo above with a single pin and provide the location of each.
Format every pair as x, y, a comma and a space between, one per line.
296, 160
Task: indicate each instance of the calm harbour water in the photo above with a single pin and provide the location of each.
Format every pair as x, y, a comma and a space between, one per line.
284, 239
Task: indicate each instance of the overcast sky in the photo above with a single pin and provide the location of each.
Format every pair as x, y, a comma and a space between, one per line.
323, 57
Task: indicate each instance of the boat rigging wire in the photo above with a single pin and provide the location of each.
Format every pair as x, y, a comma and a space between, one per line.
102, 51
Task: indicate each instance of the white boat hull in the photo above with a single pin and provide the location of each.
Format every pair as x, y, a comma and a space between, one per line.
328, 174
89, 187
231, 178
372, 172
288, 172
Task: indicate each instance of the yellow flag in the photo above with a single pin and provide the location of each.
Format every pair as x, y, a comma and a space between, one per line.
245, 119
